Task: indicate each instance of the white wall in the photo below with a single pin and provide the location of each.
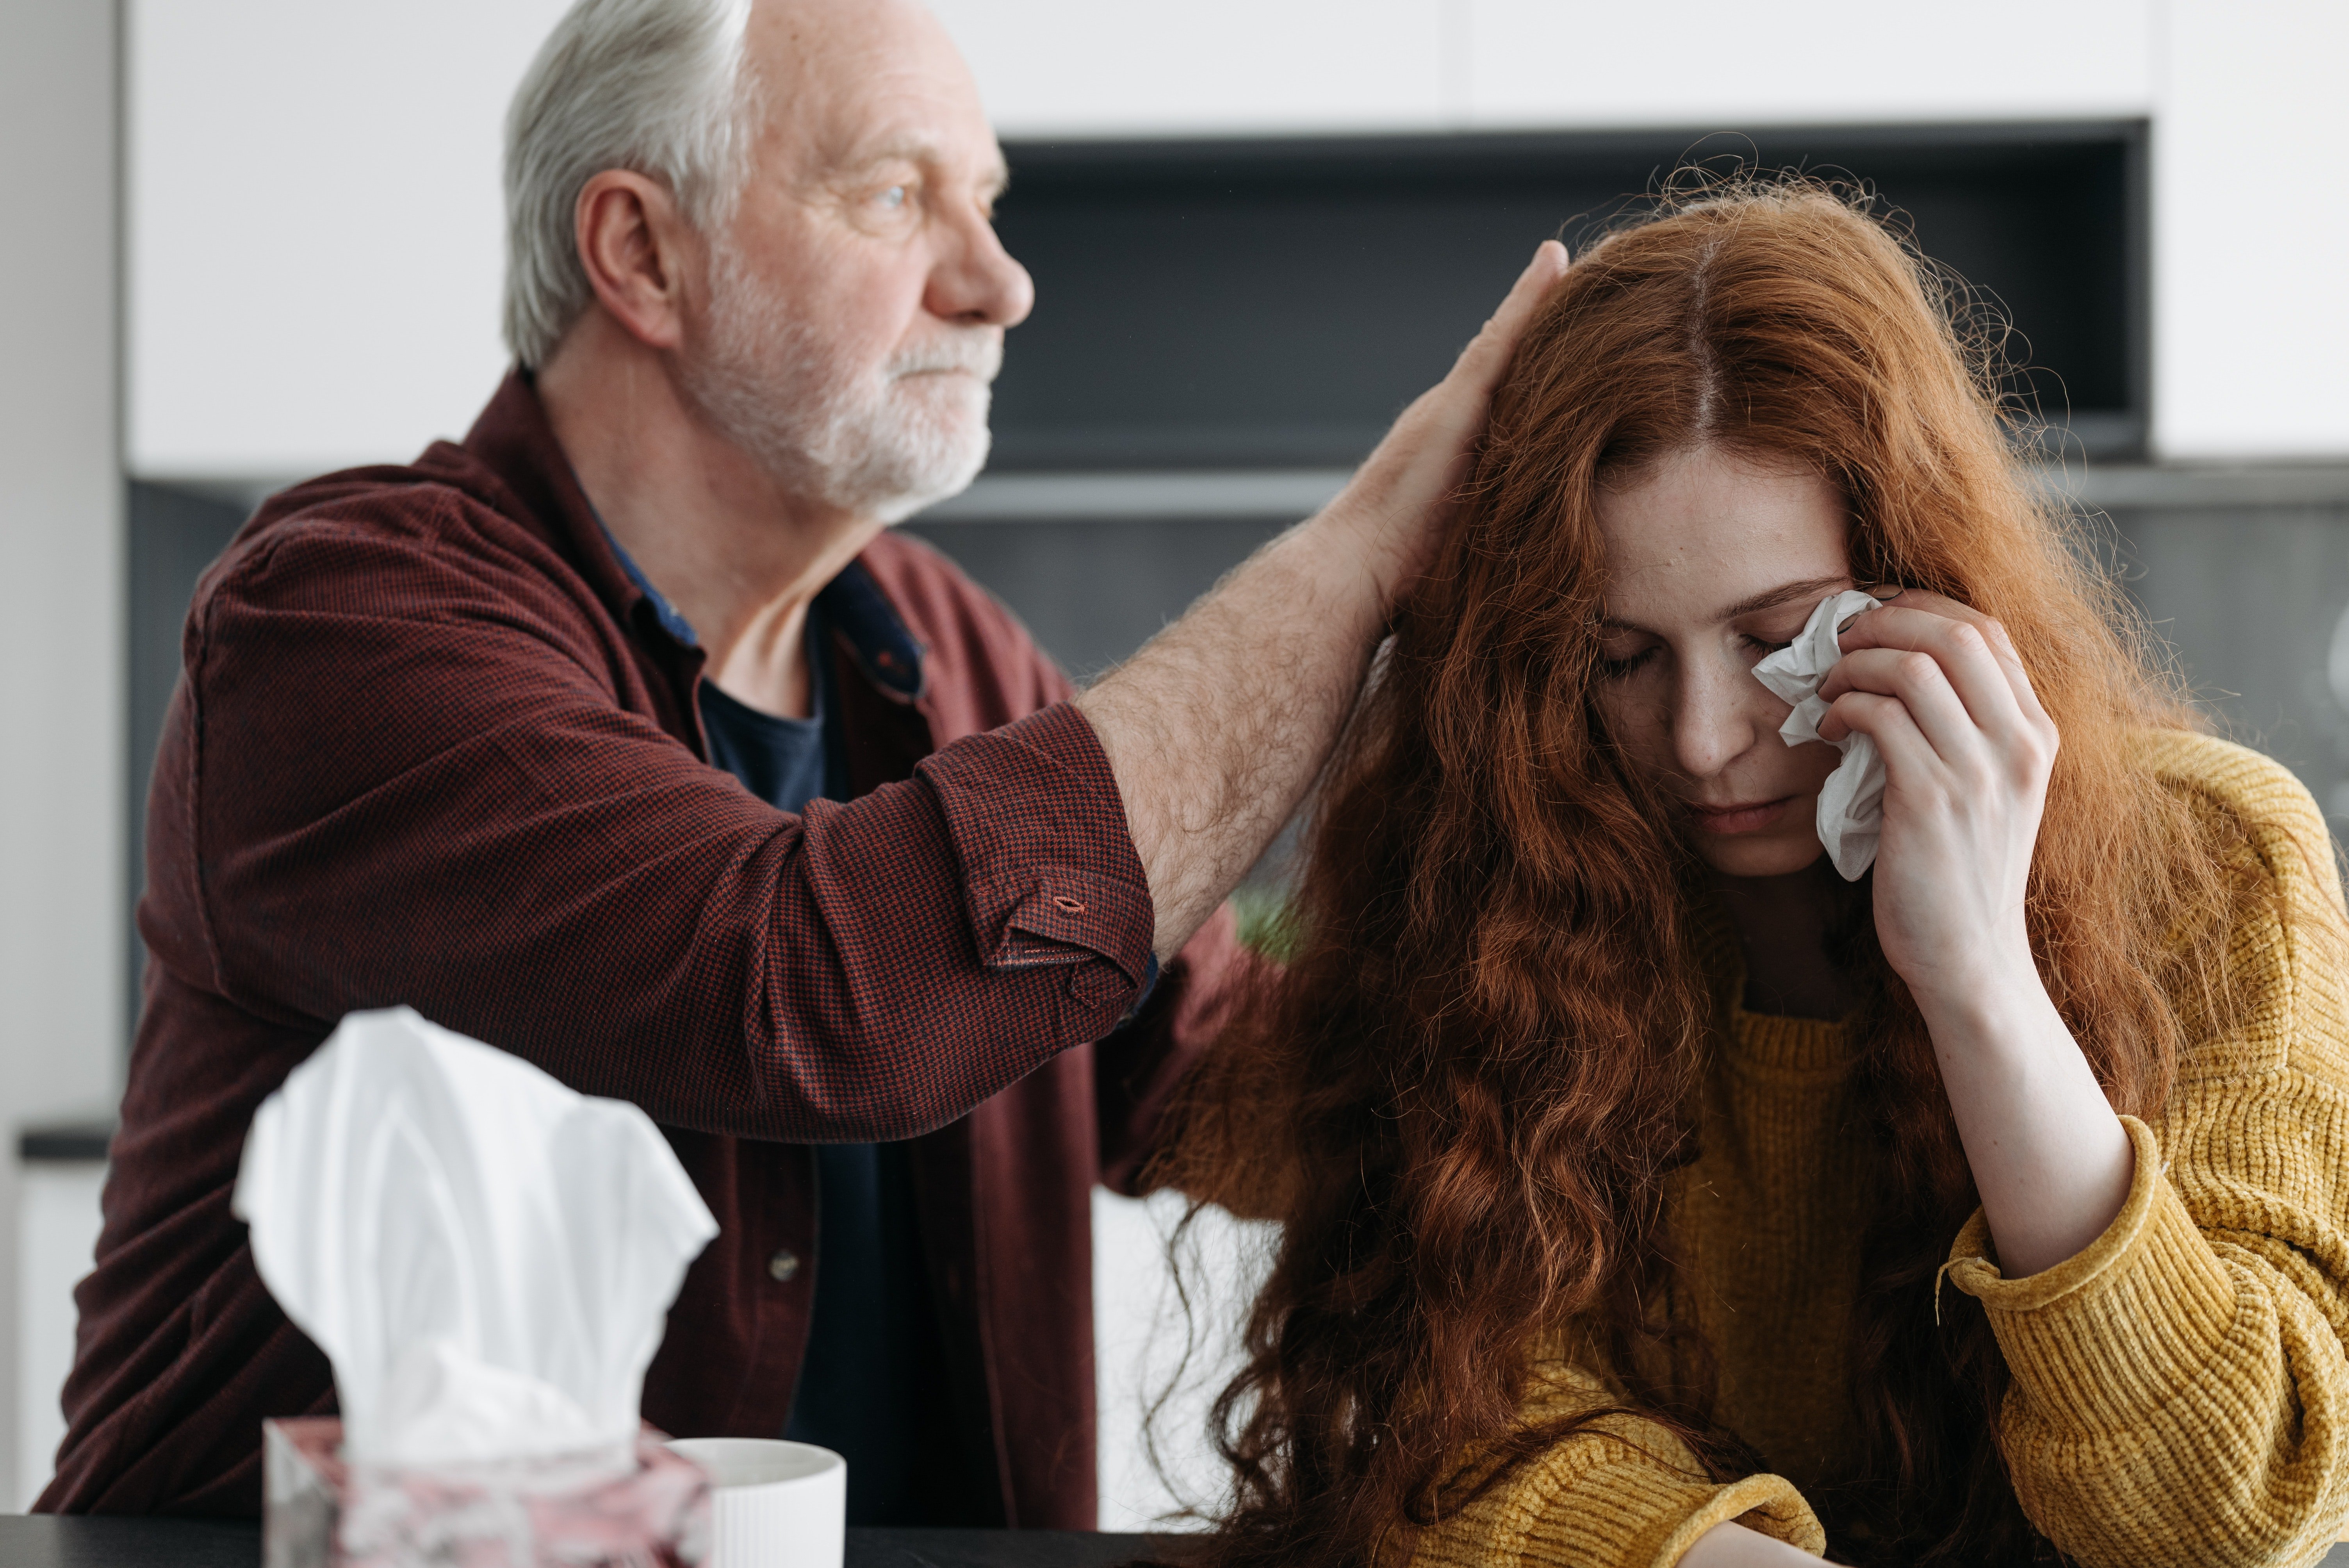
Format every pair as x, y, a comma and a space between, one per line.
1150, 1352
61, 786
1085, 67
1731, 62
58, 1221
315, 227
2252, 229
1082, 68
315, 235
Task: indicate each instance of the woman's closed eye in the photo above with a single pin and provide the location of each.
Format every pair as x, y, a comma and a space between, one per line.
1620, 662
1617, 663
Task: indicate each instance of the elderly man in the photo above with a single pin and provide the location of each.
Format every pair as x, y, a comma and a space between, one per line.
622, 735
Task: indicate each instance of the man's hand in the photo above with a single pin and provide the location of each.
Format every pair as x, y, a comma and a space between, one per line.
1396, 504
1218, 726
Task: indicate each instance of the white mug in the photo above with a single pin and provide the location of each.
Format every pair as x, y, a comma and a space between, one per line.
772, 1504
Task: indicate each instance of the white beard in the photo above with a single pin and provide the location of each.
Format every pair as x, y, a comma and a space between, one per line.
881, 443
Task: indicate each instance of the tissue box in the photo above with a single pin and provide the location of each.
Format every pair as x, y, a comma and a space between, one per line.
319, 1511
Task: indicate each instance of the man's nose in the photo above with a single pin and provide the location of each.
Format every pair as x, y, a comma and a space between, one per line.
1713, 723
976, 283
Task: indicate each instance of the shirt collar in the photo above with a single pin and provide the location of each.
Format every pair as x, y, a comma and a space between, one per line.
852, 603
674, 623
890, 656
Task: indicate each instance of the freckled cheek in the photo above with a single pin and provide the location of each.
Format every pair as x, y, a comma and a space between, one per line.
1807, 766
1641, 728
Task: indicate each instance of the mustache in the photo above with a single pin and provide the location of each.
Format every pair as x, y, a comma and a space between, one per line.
975, 352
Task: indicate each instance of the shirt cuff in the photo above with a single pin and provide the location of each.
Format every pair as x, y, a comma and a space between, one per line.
1142, 997
1049, 871
2122, 1327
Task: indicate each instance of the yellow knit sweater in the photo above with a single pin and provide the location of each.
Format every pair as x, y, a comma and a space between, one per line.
2179, 1390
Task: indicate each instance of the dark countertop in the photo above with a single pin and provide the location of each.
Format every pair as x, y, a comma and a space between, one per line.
66, 1142
998, 1549
52, 1541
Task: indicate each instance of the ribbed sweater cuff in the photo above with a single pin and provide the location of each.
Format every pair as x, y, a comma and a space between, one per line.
1639, 1515
2121, 1327
1768, 1503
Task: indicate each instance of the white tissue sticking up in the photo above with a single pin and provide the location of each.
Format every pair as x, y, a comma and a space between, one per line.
486, 1257
1851, 802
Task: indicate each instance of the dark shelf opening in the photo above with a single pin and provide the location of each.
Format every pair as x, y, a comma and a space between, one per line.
1273, 303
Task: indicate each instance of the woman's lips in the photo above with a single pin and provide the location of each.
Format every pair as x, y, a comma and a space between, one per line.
1747, 816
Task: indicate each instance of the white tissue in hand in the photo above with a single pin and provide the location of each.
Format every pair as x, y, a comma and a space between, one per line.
486, 1257
1851, 802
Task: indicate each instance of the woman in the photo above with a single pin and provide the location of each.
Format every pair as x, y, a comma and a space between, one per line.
1651, 1194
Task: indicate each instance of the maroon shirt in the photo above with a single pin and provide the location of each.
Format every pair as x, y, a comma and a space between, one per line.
431, 747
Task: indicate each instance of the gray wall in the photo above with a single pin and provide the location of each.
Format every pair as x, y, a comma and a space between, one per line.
1091, 593
2255, 599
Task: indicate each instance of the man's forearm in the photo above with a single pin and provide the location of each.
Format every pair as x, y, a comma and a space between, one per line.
1218, 726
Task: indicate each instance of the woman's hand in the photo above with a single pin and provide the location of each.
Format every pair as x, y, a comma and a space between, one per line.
1967, 753
1735, 1546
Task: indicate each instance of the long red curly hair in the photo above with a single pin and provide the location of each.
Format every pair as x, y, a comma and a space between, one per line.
1481, 1052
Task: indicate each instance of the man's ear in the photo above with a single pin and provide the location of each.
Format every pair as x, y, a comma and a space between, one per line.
636, 248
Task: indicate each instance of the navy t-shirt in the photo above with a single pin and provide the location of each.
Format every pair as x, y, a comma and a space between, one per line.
781, 760
873, 1386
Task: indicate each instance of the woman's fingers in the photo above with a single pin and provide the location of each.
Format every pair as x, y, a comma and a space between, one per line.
1963, 695
1908, 755
1994, 693
1916, 680
2002, 647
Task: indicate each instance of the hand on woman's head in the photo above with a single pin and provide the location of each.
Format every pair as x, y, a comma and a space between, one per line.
1396, 505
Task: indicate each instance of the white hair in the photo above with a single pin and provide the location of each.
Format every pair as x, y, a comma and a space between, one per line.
656, 86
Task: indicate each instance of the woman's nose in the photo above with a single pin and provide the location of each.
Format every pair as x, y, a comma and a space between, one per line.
1714, 722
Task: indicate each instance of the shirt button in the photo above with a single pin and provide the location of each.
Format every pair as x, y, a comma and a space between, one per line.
784, 1266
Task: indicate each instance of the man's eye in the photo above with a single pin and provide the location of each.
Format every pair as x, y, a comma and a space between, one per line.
893, 198
1760, 648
